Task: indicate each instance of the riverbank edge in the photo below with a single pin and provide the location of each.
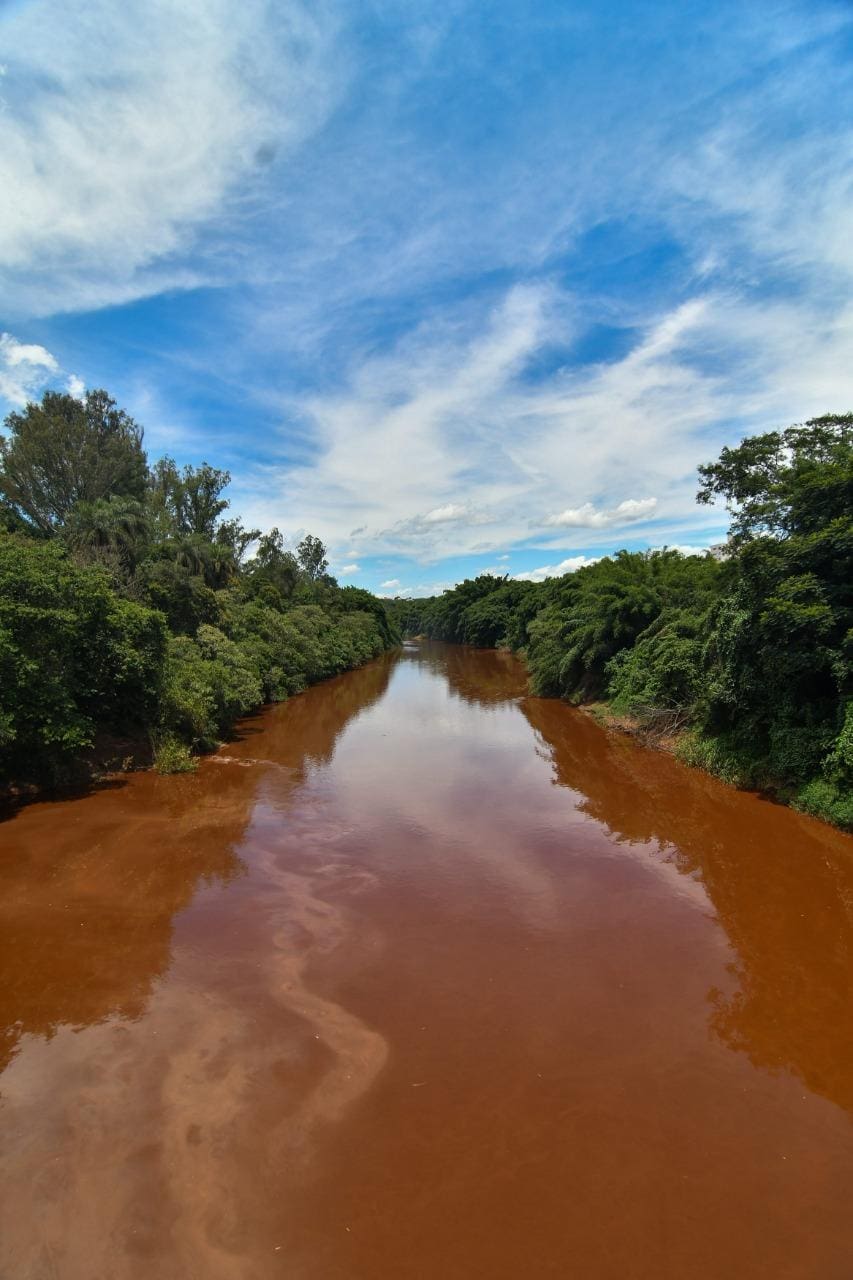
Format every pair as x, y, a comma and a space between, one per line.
696, 751
114, 756
708, 755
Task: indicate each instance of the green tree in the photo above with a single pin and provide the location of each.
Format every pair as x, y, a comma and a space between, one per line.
74, 657
108, 530
235, 535
311, 555
63, 452
273, 571
785, 482
188, 501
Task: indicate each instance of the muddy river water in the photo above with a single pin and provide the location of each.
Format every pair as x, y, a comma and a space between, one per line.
422, 978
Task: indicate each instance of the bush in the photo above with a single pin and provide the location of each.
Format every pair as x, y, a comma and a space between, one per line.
725, 758
662, 673
208, 684
174, 756
828, 801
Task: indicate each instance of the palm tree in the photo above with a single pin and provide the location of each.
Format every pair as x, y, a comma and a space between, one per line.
108, 528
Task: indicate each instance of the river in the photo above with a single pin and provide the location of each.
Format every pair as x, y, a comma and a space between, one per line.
424, 979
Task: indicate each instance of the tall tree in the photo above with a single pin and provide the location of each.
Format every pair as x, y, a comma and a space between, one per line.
187, 501
785, 482
201, 499
311, 555
273, 565
64, 451
235, 535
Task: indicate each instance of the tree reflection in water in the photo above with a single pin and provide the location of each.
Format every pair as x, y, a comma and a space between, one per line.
90, 887
781, 886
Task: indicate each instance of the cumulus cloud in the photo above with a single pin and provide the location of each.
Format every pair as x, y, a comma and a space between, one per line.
391, 584
586, 517
686, 548
554, 570
348, 569
76, 387
24, 369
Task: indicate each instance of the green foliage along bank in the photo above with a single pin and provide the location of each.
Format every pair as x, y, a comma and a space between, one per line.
134, 608
746, 658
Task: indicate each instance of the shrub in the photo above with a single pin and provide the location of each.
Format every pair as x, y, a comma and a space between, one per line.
826, 800
173, 756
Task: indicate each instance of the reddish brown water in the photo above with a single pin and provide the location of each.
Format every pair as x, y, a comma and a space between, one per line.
425, 979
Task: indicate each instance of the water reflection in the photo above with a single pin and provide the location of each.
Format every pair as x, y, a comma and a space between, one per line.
781, 886
421, 991
89, 888
480, 677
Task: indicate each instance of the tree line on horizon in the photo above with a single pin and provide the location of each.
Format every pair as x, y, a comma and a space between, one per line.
134, 608
745, 660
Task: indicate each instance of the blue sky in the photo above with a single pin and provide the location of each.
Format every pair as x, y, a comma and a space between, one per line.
455, 286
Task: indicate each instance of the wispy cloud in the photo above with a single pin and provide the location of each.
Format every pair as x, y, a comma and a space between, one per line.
655, 257
430, 420
127, 128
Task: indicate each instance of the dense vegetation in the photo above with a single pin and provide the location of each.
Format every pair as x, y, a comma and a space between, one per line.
130, 607
747, 660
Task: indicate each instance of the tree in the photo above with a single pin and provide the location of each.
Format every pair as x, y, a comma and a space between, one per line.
785, 482
234, 535
188, 501
273, 569
201, 499
108, 529
62, 452
311, 555
74, 656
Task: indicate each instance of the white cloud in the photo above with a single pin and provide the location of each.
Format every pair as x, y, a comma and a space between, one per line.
554, 570
686, 548
453, 420
586, 517
126, 128
457, 415
76, 387
348, 569
416, 423
24, 369
390, 584
449, 514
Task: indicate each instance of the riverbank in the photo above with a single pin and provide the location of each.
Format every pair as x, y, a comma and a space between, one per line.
671, 731
737, 769
113, 755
